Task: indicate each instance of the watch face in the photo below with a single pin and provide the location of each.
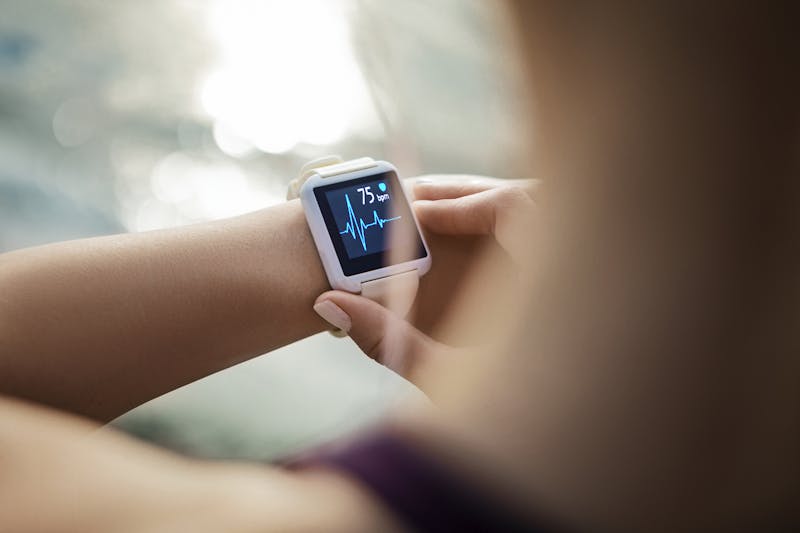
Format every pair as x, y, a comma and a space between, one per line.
370, 223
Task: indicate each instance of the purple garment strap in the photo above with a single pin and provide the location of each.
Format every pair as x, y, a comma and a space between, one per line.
418, 490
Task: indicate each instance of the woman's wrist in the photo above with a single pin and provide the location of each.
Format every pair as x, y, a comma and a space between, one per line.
172, 306
278, 258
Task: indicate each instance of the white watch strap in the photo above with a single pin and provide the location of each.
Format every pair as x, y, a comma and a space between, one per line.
330, 165
396, 292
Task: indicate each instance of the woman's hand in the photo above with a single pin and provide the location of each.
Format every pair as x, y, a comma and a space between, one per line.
480, 206
475, 206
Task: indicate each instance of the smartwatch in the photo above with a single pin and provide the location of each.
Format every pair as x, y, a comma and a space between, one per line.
364, 228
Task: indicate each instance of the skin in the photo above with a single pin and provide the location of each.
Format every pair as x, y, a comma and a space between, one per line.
91, 480
84, 324
644, 374
97, 326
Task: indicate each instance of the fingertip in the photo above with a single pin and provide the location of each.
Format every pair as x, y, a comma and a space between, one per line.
424, 209
422, 186
355, 306
327, 295
333, 314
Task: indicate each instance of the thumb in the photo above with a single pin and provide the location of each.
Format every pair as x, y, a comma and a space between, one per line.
380, 334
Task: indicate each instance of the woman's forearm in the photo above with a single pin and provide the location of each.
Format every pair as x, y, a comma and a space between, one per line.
60, 474
98, 326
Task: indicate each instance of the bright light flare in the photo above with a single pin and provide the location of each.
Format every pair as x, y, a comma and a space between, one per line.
286, 75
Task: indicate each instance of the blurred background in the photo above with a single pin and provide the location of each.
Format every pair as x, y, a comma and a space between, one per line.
135, 115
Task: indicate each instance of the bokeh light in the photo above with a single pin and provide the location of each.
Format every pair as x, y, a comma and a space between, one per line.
282, 77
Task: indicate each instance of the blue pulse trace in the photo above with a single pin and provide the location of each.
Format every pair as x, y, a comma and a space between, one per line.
356, 226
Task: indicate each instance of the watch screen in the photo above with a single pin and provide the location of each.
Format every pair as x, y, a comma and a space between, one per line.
370, 223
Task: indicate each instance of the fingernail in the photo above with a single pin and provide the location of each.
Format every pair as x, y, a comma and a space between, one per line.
333, 315
424, 180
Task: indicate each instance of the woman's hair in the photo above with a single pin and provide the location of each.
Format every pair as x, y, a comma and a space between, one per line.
650, 375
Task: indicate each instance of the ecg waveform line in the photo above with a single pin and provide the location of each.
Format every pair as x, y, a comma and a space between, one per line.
356, 227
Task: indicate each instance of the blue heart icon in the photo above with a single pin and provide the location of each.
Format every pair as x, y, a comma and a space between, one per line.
382, 186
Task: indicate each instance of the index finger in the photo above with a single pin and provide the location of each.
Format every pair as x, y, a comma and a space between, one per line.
424, 190
447, 188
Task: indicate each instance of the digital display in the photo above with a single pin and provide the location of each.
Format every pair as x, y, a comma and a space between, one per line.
366, 217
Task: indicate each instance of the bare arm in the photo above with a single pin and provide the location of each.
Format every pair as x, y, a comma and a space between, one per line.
98, 326
58, 475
